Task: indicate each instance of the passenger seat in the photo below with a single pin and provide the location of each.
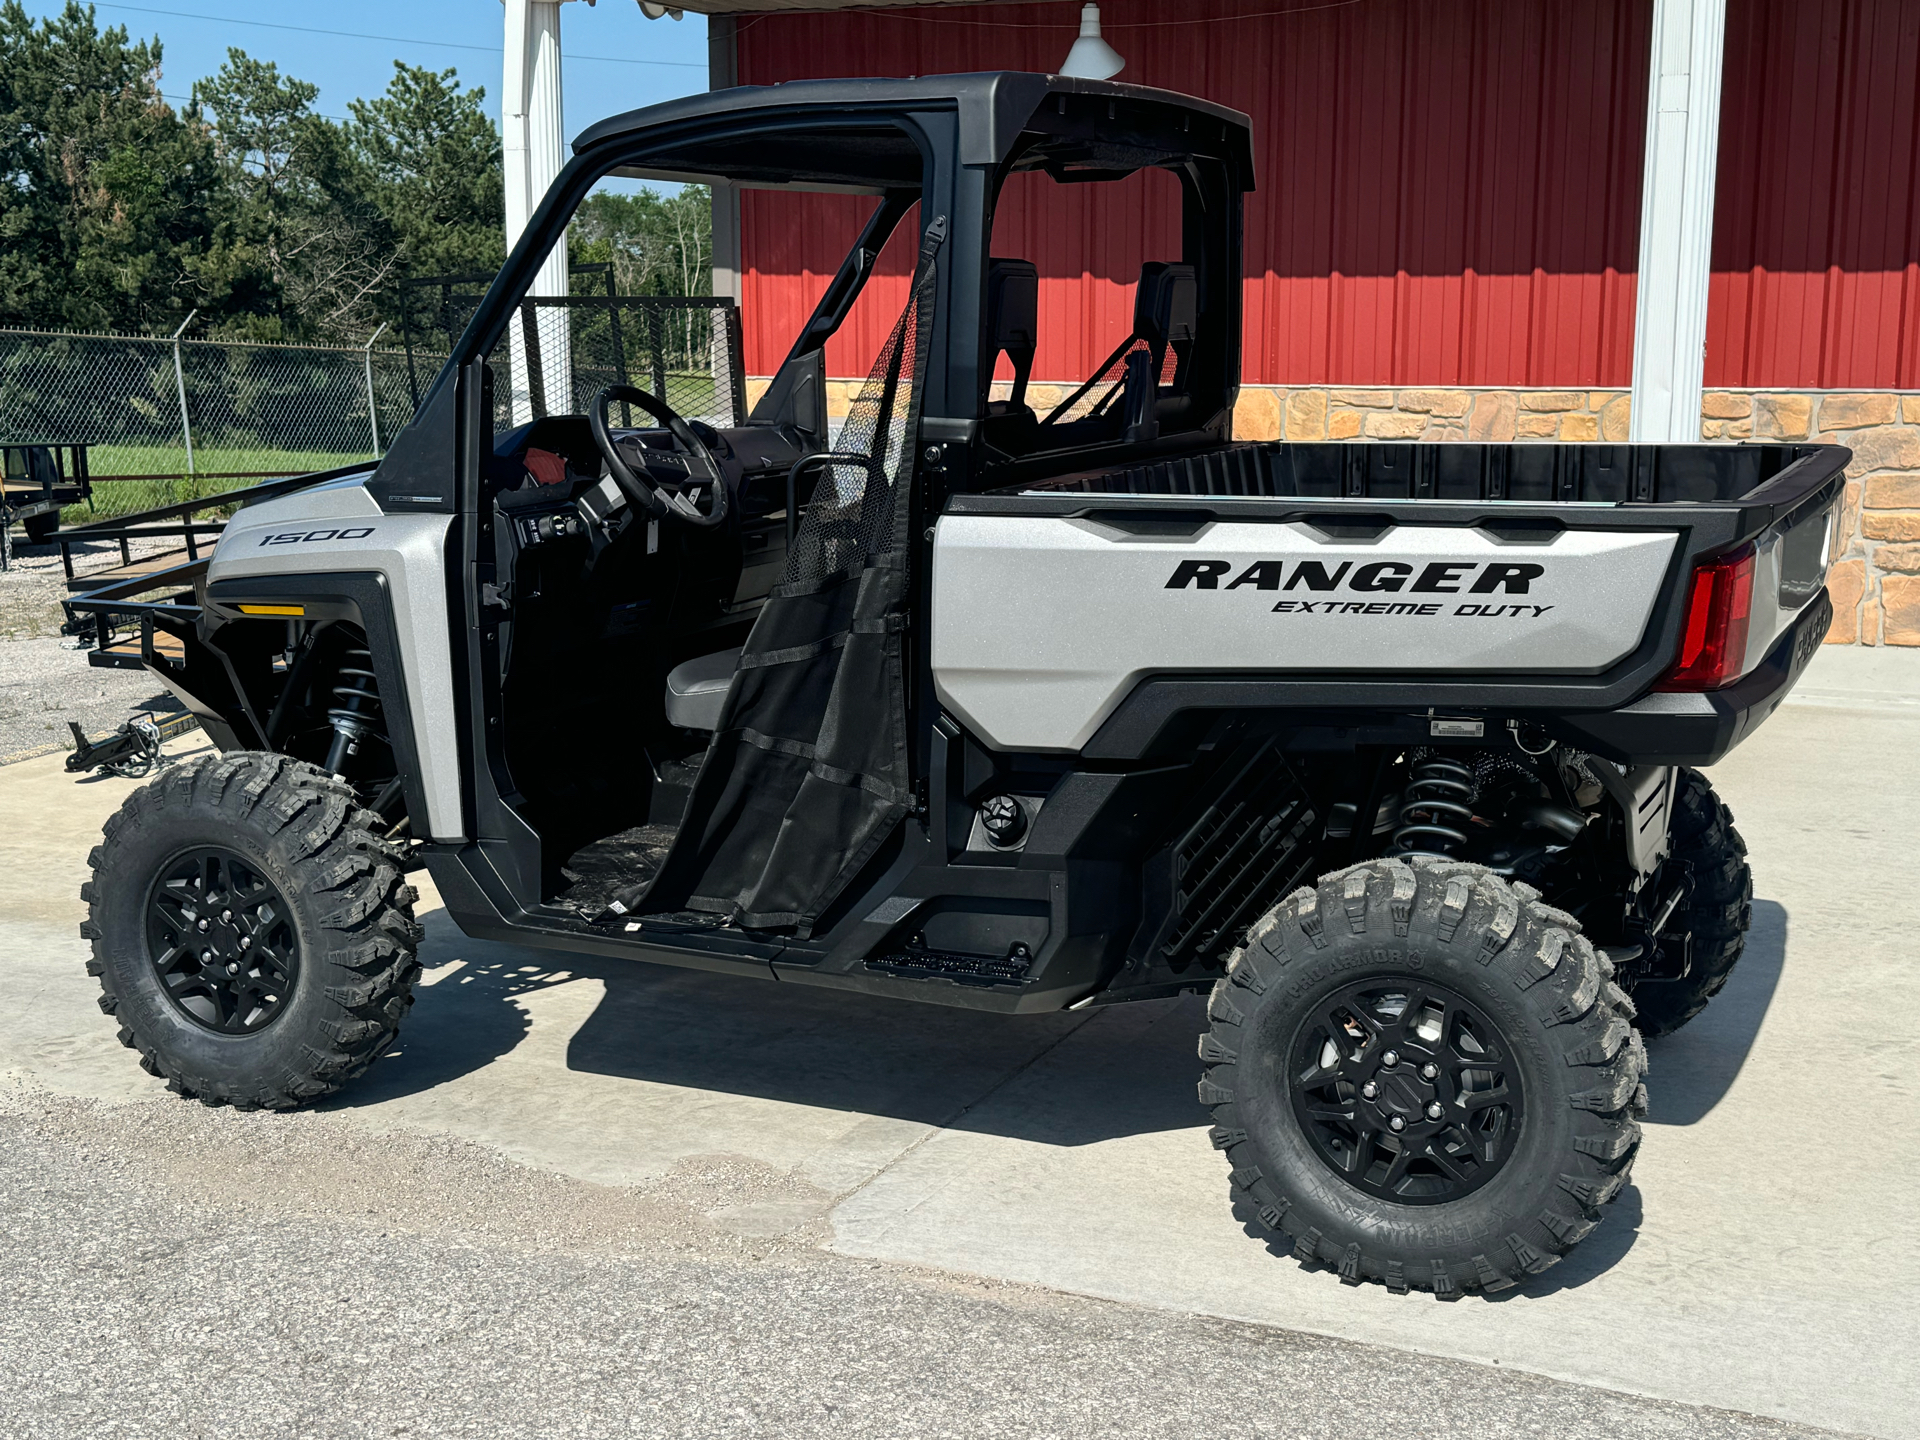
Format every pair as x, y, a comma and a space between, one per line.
697, 689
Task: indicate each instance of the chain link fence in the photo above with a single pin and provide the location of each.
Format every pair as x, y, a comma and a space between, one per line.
176, 419
560, 351
169, 420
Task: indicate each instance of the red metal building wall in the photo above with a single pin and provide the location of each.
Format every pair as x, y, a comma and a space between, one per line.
1449, 191
1088, 241
1814, 277
791, 246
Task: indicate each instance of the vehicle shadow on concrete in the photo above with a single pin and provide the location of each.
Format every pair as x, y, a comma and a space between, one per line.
930, 1064
1129, 1071
1690, 1071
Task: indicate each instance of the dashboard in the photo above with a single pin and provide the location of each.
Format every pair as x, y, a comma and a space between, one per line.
539, 471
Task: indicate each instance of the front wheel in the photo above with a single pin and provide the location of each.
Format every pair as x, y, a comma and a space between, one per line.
1423, 1076
251, 931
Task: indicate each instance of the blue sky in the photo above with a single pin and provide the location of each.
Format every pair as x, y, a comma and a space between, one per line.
602, 46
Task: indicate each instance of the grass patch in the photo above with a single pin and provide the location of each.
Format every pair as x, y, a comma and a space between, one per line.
113, 498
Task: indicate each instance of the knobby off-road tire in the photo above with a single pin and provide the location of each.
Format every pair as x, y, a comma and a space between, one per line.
1513, 977
1718, 912
257, 856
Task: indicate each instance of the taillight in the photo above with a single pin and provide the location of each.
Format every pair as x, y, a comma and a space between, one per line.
1714, 639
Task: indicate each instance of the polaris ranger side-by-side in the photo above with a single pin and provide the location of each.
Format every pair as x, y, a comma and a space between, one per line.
997, 696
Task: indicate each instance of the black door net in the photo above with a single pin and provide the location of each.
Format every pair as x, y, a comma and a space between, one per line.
807, 772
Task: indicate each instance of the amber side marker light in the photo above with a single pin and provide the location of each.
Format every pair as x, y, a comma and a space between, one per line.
1714, 639
273, 610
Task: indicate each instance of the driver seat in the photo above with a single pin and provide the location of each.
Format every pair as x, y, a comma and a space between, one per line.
697, 689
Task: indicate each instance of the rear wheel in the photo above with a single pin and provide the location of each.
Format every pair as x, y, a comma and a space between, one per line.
40, 528
251, 931
1423, 1077
1718, 912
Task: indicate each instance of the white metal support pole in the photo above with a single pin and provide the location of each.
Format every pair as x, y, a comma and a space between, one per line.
1677, 219
532, 151
180, 385
373, 410
723, 73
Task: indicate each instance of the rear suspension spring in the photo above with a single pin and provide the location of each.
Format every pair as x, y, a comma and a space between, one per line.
1434, 809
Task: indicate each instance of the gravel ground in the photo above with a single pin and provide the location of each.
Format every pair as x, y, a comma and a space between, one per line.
179, 1271
45, 680
33, 587
44, 683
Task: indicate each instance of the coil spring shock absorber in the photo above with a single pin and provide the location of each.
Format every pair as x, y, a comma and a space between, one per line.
1434, 810
356, 708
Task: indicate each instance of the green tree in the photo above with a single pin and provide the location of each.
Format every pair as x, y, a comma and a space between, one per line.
108, 197
659, 244
435, 161
302, 249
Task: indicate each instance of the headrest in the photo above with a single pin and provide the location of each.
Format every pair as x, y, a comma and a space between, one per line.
1013, 305
1164, 303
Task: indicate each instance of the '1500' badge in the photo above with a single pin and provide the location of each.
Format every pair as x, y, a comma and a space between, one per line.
300, 537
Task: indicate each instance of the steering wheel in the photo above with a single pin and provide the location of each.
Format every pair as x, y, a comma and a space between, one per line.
692, 452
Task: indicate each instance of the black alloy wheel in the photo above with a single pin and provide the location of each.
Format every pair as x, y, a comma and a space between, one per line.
221, 939
1424, 1076
252, 930
1406, 1091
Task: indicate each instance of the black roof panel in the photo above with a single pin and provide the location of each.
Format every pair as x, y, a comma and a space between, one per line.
737, 132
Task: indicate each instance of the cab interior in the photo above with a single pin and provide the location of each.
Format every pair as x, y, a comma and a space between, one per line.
615, 654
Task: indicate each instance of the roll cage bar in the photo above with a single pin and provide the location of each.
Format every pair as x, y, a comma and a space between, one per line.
946, 141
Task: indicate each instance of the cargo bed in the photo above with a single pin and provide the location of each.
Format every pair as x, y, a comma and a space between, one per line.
1539, 473
1086, 612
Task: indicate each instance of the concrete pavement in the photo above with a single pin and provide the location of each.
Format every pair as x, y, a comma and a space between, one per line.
176, 1271
1764, 1261
1773, 1217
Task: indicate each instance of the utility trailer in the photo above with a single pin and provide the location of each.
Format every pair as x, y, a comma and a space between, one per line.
36, 480
997, 701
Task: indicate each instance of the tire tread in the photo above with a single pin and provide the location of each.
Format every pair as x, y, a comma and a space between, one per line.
334, 851
1558, 976
1719, 912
